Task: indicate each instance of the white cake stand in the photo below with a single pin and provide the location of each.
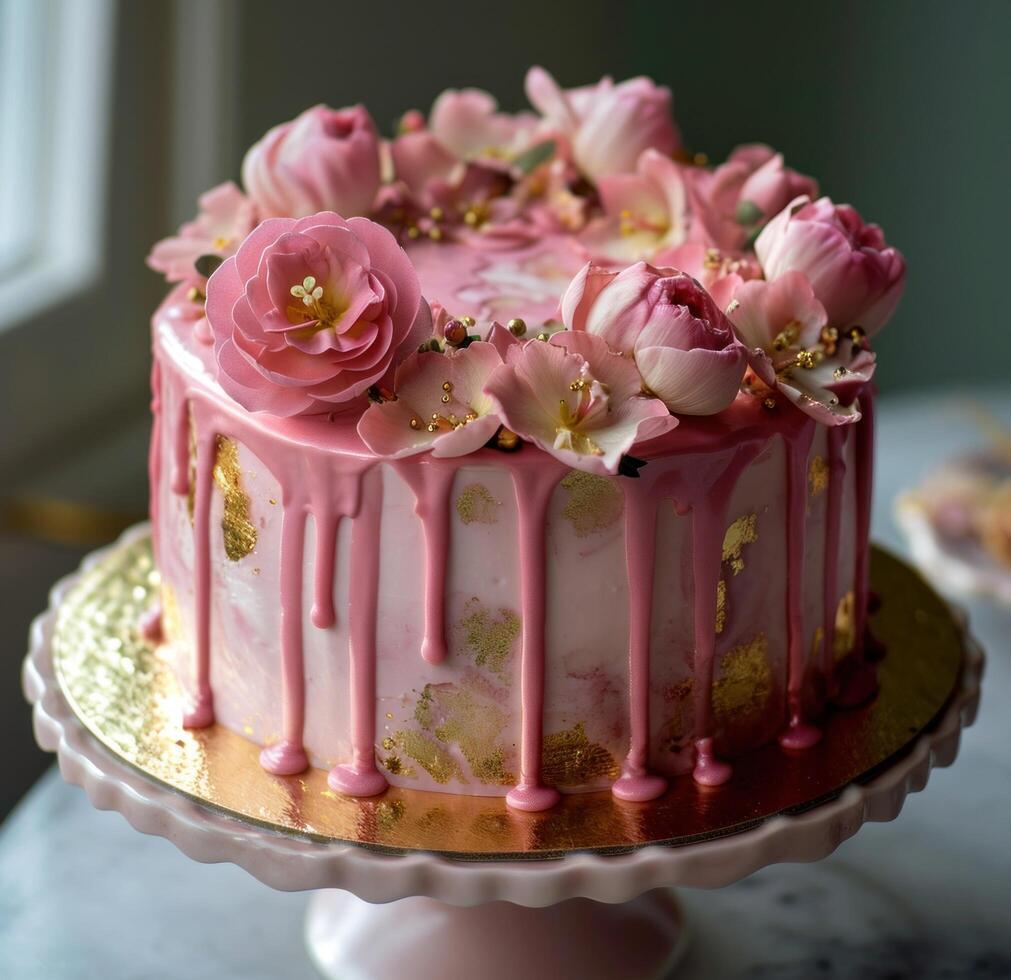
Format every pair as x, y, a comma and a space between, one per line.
584, 915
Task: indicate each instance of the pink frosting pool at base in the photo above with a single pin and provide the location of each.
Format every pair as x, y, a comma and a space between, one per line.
497, 623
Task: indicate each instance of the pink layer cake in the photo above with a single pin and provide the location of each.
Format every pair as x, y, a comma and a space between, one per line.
516, 454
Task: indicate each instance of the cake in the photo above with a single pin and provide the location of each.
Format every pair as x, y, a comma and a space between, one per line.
516, 454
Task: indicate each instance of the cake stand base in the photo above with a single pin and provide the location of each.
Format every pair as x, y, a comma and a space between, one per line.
349, 938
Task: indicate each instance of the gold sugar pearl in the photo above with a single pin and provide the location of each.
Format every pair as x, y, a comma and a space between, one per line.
415, 423
447, 385
517, 326
507, 439
543, 336
435, 234
769, 404
414, 232
437, 214
445, 399
467, 321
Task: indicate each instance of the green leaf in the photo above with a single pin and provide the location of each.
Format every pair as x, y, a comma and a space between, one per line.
531, 159
206, 264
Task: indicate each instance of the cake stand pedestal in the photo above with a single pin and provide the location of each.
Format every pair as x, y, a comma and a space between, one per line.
580, 913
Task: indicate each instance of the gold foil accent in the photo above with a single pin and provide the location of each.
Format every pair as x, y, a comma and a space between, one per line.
721, 605
742, 691
126, 695
817, 476
594, 504
677, 727
490, 639
428, 754
569, 758
171, 622
816, 641
473, 723
845, 626
238, 532
743, 531
476, 505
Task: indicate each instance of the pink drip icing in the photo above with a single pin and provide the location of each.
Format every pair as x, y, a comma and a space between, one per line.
836, 437
432, 483
709, 770
534, 482
199, 709
865, 482
361, 777
287, 756
709, 514
636, 783
323, 613
154, 457
181, 446
799, 733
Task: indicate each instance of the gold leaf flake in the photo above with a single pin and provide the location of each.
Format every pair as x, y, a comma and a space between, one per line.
721, 605
817, 476
744, 686
743, 531
569, 758
238, 532
489, 638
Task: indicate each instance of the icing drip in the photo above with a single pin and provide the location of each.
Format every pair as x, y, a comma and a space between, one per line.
154, 457
432, 485
323, 614
360, 777
287, 756
181, 447
534, 481
636, 783
199, 709
837, 436
799, 734
865, 482
709, 514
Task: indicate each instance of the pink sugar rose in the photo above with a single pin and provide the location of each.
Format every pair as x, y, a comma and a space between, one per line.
577, 400
793, 350
323, 160
606, 126
309, 314
226, 216
745, 192
428, 415
682, 344
646, 211
856, 276
719, 272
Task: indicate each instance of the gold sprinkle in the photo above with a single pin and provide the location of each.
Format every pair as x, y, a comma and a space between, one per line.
817, 476
721, 605
743, 531
490, 639
595, 502
569, 758
445, 399
415, 423
447, 385
517, 326
238, 532
476, 505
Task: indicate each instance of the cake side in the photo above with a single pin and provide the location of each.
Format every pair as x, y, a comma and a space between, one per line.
718, 496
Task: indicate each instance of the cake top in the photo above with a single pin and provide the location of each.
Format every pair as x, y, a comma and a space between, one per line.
570, 278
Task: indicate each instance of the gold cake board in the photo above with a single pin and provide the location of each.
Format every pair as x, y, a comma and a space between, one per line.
125, 694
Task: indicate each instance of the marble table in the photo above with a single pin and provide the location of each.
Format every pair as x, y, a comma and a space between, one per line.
82, 895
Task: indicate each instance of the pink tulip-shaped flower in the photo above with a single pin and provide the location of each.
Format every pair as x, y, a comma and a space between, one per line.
855, 275
741, 195
646, 211
606, 126
440, 405
309, 314
226, 216
324, 160
720, 272
683, 345
794, 350
577, 400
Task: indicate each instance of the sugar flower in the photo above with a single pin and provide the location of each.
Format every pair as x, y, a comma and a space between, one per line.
468, 124
309, 314
439, 405
226, 216
855, 275
646, 211
577, 400
606, 126
795, 351
738, 197
324, 160
682, 344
